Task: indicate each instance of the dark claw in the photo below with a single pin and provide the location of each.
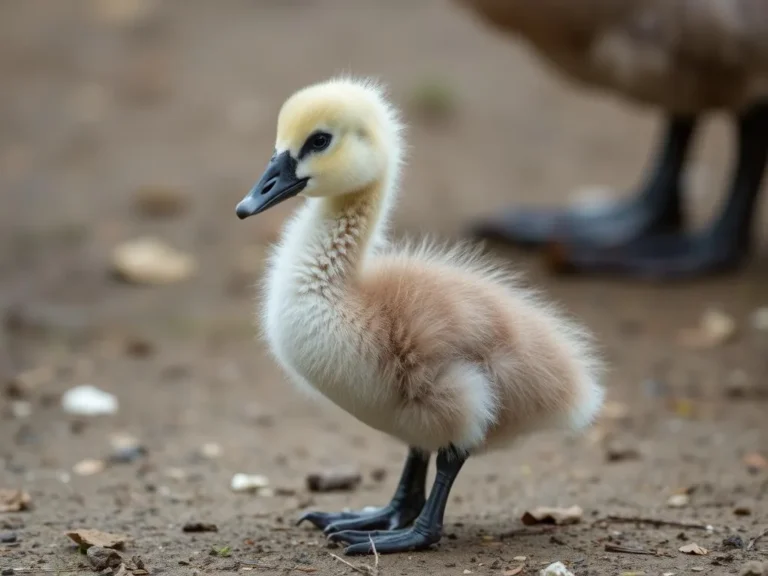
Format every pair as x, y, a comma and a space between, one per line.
323, 519
388, 543
387, 518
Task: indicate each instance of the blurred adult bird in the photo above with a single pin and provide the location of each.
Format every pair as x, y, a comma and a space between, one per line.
688, 57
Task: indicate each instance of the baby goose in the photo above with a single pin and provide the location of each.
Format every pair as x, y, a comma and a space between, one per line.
438, 348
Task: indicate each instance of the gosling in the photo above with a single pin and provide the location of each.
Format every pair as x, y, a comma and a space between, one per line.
437, 347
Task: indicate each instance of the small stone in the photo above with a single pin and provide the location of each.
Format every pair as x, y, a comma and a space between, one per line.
549, 515
23, 385
715, 328
556, 569
102, 558
334, 479
753, 568
520, 558
737, 384
8, 537
742, 509
249, 483
88, 400
379, 474
138, 346
161, 201
678, 501
152, 262
89, 467
199, 527
21, 409
733, 541
210, 450
760, 319
755, 462
620, 449
127, 454
467, 572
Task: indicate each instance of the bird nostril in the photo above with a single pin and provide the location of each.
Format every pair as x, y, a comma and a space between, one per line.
268, 186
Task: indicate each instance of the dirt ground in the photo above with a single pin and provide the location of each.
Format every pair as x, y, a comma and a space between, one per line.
101, 99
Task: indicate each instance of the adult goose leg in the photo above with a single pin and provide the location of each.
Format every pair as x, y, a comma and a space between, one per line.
656, 208
428, 528
404, 507
719, 248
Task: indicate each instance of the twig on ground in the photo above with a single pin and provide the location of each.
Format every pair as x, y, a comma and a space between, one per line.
628, 550
363, 569
756, 539
657, 522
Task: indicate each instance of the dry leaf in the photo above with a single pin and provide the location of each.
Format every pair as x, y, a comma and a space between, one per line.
755, 462
715, 328
150, 261
14, 500
87, 538
513, 571
546, 515
694, 549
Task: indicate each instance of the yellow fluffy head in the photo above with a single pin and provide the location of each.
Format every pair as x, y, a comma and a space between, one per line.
343, 134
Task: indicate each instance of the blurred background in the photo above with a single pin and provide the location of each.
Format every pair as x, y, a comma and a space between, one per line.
129, 130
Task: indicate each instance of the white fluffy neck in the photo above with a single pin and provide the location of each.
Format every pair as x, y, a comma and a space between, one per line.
328, 240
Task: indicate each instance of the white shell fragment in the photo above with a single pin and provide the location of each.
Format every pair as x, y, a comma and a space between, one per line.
88, 400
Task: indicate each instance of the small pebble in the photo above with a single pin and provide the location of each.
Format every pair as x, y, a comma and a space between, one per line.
21, 409
89, 467
742, 509
127, 454
678, 501
210, 450
199, 527
249, 482
734, 541
378, 474
8, 537
737, 384
102, 558
335, 479
88, 401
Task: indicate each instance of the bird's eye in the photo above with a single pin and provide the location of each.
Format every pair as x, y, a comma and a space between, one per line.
320, 141
316, 142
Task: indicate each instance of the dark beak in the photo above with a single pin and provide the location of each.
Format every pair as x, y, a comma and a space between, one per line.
278, 183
